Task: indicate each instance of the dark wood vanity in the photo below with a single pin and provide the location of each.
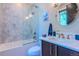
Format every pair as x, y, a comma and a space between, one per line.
51, 49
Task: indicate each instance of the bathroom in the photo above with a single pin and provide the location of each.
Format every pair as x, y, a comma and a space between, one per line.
25, 30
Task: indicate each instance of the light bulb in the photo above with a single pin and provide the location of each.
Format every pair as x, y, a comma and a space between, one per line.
27, 17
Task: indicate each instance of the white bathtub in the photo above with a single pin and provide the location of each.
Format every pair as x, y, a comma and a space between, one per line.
15, 44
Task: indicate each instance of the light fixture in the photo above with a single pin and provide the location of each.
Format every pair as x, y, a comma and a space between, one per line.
26, 17
29, 16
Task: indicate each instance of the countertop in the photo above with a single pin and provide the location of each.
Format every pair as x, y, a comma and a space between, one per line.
70, 44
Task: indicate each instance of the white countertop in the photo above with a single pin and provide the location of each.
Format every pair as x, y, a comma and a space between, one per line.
70, 44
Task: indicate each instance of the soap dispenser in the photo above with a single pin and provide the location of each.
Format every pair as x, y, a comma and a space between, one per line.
50, 30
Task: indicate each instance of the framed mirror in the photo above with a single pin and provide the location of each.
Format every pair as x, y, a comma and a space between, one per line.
67, 14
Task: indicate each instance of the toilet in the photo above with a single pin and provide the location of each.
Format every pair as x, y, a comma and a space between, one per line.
34, 51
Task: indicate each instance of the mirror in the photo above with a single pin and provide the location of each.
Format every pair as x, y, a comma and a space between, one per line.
67, 14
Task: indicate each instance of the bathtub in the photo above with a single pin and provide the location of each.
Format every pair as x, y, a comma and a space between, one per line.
15, 44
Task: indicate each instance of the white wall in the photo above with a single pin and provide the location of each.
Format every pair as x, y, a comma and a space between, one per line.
43, 25
71, 28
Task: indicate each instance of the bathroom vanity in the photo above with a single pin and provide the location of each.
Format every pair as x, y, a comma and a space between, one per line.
59, 47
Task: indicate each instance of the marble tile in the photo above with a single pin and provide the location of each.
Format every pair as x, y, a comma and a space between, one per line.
12, 24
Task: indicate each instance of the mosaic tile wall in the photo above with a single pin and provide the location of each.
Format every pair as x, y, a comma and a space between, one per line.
13, 25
